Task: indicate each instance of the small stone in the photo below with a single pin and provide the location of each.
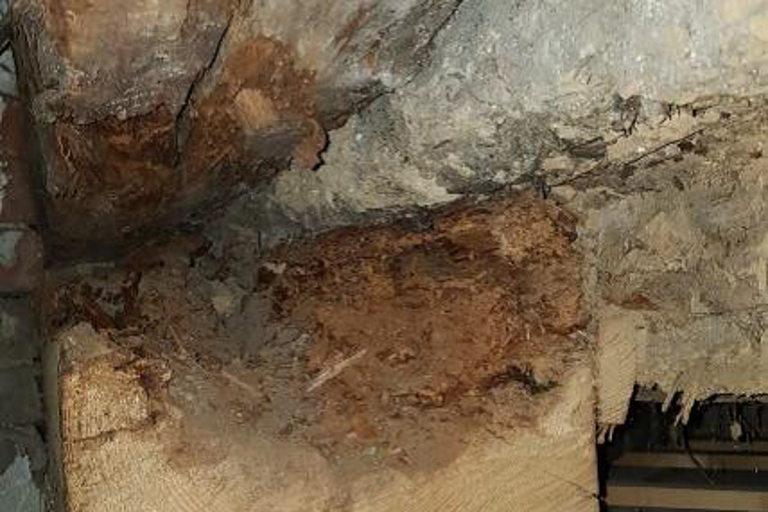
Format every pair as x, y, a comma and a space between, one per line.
565, 192
9, 241
18, 339
226, 298
21, 260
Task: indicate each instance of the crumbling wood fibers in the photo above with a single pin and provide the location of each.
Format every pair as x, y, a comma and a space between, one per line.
122, 176
433, 319
396, 341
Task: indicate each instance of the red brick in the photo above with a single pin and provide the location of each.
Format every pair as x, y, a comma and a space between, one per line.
18, 204
21, 260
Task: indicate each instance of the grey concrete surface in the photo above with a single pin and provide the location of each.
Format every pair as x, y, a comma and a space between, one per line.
515, 85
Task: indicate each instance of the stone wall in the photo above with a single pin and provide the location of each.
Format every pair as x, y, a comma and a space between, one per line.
23, 457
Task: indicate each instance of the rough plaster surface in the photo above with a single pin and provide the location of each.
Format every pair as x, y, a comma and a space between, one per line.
516, 84
678, 259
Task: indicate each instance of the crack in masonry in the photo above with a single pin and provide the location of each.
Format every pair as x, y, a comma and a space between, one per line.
187, 103
430, 44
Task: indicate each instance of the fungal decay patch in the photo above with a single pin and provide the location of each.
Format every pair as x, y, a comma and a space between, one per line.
393, 342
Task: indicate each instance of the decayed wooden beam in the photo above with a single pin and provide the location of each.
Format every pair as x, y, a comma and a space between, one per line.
148, 111
396, 368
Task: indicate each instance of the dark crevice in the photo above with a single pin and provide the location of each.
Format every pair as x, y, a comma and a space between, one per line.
523, 376
182, 132
430, 44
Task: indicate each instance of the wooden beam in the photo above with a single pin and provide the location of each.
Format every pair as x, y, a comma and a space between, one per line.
150, 111
387, 369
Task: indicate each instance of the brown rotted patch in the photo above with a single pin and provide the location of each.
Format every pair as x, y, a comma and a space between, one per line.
59, 25
262, 109
416, 331
114, 177
116, 171
402, 342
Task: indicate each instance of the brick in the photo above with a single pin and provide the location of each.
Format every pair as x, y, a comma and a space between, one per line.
20, 402
21, 260
19, 343
18, 204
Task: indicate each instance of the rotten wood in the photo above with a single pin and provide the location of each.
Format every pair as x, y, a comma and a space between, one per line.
383, 369
149, 112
